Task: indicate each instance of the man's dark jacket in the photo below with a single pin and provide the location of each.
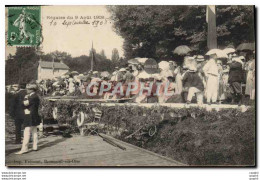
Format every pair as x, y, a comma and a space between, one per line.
192, 79
32, 119
17, 106
235, 72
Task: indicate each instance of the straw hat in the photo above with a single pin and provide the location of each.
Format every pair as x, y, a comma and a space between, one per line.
122, 70
200, 58
32, 86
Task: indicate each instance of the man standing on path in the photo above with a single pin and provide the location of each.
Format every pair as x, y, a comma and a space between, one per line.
32, 118
17, 112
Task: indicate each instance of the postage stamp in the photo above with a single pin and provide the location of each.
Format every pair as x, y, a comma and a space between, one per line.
24, 26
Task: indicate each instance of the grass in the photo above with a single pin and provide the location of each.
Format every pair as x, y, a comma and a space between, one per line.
227, 140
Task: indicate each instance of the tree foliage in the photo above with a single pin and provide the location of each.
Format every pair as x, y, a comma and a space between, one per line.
102, 53
115, 55
23, 66
154, 31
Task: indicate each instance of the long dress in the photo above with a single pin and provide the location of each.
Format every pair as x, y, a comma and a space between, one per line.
178, 80
250, 81
71, 86
221, 95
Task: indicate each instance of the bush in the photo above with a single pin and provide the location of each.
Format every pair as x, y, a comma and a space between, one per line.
193, 136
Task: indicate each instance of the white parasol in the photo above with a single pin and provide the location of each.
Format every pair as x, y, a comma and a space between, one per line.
229, 50
220, 53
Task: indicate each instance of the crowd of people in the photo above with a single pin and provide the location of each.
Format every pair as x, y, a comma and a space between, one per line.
199, 79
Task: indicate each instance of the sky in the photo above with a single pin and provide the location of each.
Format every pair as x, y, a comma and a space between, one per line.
66, 34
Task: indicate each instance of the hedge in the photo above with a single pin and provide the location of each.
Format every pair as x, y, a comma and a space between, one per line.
192, 136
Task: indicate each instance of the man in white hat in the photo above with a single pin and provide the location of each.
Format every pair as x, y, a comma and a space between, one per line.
210, 70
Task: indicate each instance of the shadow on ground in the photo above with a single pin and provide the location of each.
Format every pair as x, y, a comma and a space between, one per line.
42, 145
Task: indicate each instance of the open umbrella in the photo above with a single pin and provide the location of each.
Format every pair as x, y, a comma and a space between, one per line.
141, 60
220, 53
104, 74
182, 50
74, 72
133, 61
229, 50
246, 47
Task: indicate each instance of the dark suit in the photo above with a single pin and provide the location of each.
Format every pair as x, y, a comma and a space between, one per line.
235, 79
235, 72
32, 119
17, 112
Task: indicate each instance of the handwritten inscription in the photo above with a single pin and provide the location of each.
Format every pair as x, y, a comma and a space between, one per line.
68, 21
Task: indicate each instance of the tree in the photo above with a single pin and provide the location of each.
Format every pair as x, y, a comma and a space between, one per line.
115, 55
90, 52
155, 31
10, 56
57, 56
102, 53
24, 65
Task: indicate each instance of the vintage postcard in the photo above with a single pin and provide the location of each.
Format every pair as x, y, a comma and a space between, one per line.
130, 86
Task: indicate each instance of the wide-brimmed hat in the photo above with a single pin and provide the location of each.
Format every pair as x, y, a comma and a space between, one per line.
31, 87
122, 70
200, 58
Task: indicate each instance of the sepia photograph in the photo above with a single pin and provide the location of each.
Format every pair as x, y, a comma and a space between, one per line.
130, 86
